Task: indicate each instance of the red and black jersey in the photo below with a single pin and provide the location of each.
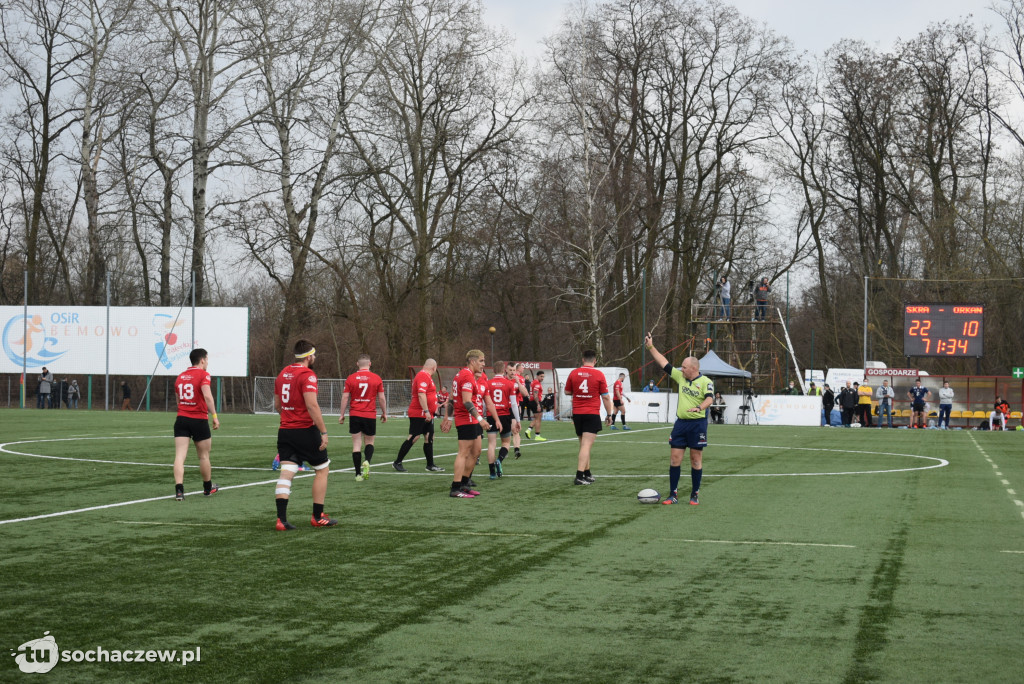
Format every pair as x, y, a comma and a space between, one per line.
363, 386
586, 385
423, 384
189, 390
502, 392
617, 390
537, 391
291, 384
464, 382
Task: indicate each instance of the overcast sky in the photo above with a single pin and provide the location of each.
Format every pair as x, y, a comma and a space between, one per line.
812, 25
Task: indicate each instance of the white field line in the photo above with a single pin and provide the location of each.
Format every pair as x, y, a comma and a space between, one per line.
755, 543
1003, 481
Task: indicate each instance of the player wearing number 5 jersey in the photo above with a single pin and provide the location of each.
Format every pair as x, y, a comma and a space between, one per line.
192, 388
588, 388
302, 436
365, 390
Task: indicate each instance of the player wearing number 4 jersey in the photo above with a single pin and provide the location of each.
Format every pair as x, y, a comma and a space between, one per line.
696, 394
302, 436
192, 388
588, 388
365, 390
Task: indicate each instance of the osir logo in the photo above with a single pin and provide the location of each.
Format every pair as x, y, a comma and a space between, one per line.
37, 656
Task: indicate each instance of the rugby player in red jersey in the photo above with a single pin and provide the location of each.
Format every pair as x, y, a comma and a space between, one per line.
617, 397
588, 388
365, 390
522, 397
302, 435
469, 423
536, 396
502, 391
192, 388
421, 417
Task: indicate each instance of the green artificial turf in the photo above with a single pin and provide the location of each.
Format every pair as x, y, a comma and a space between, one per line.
904, 575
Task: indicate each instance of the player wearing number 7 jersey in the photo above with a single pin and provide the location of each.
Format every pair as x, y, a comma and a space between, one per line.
192, 388
365, 390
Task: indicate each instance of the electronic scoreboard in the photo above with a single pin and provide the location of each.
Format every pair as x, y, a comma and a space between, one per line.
943, 330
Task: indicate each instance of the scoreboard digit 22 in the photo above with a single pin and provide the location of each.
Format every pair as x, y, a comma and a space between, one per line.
944, 330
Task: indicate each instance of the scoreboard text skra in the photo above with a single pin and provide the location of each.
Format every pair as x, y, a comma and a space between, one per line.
943, 330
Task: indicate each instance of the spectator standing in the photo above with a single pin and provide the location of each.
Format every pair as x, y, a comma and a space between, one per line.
918, 396
761, 293
73, 394
945, 404
725, 296
813, 391
45, 387
651, 387
864, 403
886, 397
848, 403
62, 393
828, 402
126, 396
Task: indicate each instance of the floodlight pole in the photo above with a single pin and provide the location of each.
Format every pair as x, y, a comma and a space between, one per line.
24, 352
865, 322
107, 336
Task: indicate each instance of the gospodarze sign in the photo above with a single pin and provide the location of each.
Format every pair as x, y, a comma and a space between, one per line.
143, 340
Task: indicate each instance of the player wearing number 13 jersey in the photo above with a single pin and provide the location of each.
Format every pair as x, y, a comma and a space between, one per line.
302, 435
192, 388
588, 388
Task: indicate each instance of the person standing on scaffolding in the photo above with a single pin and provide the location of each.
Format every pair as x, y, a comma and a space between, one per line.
761, 293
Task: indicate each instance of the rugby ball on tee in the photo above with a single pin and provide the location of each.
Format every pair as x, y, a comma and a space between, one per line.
648, 496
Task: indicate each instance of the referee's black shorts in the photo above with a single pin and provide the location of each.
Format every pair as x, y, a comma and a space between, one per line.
196, 429
301, 444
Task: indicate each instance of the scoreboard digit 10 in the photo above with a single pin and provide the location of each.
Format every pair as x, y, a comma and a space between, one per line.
943, 330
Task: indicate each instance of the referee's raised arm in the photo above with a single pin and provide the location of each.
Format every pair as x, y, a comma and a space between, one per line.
658, 357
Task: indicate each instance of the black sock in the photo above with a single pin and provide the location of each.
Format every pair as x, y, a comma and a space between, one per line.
179, 489
403, 450
492, 468
207, 486
579, 474
587, 472
456, 485
282, 509
428, 452
368, 450
357, 461
318, 510
695, 480
502, 453
623, 416
465, 480
518, 454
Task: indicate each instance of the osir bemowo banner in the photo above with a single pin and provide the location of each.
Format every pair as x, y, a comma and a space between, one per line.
143, 340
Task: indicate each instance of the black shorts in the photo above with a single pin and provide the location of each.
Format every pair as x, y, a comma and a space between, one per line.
301, 444
196, 429
506, 425
357, 424
617, 403
534, 406
587, 422
421, 426
918, 407
469, 432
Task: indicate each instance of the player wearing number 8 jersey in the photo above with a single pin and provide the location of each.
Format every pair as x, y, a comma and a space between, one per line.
588, 388
502, 390
302, 435
192, 388
365, 389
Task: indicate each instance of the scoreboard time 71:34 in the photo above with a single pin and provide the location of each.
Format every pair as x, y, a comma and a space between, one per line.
943, 329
